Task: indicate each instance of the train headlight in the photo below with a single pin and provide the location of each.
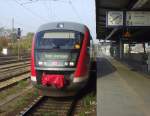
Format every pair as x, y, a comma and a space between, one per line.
71, 64
77, 46
66, 63
40, 63
60, 25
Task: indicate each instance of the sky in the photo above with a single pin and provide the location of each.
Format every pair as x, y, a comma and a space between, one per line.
30, 14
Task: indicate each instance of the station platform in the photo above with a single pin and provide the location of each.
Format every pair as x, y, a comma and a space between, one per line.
121, 91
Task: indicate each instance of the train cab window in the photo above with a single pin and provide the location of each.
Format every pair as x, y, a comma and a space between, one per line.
57, 40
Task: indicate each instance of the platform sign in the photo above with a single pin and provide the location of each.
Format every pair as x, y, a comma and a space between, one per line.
138, 18
114, 18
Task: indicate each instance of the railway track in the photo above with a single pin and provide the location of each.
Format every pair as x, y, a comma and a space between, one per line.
13, 72
13, 65
13, 97
3, 62
48, 106
12, 57
10, 71
53, 107
10, 66
10, 82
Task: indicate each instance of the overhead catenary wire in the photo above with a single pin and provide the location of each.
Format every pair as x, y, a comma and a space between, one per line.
30, 11
31, 1
75, 10
50, 6
16, 25
51, 10
17, 22
46, 8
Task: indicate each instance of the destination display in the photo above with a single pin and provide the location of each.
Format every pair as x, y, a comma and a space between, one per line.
56, 56
59, 35
138, 18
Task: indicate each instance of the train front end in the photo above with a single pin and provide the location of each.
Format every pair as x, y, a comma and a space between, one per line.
60, 59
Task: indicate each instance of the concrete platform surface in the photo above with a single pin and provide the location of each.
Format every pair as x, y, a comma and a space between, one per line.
121, 91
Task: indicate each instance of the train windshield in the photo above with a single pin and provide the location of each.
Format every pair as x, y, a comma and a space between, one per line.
57, 40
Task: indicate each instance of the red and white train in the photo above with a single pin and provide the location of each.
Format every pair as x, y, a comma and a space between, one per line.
61, 58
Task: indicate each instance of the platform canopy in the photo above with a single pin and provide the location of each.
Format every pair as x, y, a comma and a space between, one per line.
138, 34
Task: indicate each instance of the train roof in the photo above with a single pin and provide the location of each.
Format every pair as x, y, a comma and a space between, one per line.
62, 25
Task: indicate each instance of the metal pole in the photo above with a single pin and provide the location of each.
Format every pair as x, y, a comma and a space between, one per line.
18, 36
12, 25
121, 48
18, 48
12, 31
